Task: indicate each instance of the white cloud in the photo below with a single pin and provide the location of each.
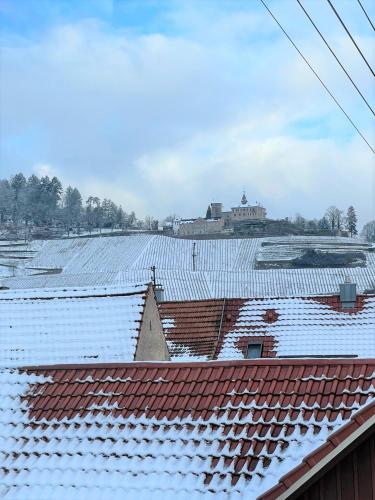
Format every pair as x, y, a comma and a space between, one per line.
166, 123
285, 174
43, 169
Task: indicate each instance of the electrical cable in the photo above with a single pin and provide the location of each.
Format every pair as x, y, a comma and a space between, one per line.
365, 13
350, 36
318, 77
334, 55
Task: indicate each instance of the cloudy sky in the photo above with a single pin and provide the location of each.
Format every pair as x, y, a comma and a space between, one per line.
167, 105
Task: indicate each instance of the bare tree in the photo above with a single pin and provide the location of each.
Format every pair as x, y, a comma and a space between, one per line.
335, 218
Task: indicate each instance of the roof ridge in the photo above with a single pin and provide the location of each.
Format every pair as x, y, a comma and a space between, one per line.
204, 364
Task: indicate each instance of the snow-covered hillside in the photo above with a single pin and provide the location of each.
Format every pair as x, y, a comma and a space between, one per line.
141, 251
224, 268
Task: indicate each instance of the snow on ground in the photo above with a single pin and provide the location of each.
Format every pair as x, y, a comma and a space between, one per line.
16, 255
224, 268
141, 251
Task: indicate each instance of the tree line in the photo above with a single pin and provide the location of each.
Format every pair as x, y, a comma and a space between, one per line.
43, 202
334, 221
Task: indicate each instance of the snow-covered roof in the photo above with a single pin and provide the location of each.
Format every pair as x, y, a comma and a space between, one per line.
70, 325
199, 285
170, 431
291, 326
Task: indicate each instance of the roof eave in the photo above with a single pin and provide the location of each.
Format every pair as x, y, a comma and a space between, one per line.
291, 484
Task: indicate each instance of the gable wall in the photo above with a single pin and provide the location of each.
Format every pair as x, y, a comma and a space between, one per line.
352, 478
151, 342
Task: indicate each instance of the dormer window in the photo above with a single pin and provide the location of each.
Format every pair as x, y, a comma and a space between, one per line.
254, 350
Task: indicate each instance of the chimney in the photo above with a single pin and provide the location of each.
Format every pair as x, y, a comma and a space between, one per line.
159, 293
348, 294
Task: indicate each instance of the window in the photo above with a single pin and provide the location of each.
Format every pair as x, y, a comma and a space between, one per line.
254, 351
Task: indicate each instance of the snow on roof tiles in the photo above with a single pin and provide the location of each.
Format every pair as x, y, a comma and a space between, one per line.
191, 328
314, 326
199, 285
170, 431
72, 325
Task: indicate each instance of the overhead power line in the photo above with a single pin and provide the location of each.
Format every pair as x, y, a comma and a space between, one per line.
350, 36
365, 13
334, 55
318, 77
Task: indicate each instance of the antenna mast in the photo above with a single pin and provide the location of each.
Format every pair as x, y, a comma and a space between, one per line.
194, 254
153, 275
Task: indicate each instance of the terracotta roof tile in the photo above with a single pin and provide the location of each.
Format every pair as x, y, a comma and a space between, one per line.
170, 430
306, 326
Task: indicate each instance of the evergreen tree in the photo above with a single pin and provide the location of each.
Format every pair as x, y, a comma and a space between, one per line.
94, 213
132, 219
41, 202
121, 217
18, 188
209, 213
109, 211
351, 221
33, 191
5, 200
72, 206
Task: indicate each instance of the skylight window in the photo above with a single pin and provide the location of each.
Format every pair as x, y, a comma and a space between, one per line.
254, 351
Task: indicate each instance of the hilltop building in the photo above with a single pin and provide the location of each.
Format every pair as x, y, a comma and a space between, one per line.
199, 226
243, 212
218, 220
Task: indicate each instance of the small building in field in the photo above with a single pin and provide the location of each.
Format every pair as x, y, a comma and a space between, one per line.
80, 325
240, 430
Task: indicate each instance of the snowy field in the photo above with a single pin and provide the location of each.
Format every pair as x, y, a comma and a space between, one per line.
141, 251
16, 255
224, 268
280, 251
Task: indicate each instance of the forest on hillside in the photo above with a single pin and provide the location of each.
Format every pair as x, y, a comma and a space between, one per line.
36, 207
42, 205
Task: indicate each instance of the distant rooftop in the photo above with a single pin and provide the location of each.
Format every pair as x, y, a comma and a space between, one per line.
291, 326
72, 325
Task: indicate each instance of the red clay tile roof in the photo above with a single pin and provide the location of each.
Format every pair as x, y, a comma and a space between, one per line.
362, 421
192, 328
170, 430
293, 326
